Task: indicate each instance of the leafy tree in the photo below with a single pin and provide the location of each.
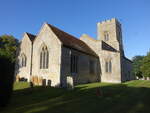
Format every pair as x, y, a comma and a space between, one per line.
8, 46
145, 67
137, 62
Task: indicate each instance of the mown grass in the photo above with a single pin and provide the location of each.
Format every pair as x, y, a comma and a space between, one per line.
129, 97
21, 85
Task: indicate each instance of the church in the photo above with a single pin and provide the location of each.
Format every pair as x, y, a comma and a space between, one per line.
51, 56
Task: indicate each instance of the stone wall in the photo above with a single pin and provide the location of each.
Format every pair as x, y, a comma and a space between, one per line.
115, 75
95, 45
127, 70
109, 26
83, 75
104, 55
24, 48
47, 38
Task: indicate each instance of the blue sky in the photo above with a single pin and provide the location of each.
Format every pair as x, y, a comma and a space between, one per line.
79, 16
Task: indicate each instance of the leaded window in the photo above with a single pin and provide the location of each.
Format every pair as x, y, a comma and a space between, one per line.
23, 60
44, 58
108, 66
74, 64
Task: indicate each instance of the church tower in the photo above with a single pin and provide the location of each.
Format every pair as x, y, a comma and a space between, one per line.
110, 32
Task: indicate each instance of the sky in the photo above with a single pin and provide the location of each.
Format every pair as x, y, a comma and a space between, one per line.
79, 17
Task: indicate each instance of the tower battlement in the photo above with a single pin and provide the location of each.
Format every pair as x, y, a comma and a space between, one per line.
113, 20
110, 32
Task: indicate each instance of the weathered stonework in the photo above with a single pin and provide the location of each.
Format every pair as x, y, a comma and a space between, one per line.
92, 56
121, 66
24, 48
48, 38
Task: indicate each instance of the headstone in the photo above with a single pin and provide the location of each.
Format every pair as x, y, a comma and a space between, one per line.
44, 82
49, 82
31, 84
70, 83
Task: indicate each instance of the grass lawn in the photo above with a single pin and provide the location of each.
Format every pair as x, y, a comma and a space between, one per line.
129, 97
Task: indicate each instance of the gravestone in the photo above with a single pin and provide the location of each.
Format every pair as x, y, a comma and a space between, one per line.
70, 83
44, 82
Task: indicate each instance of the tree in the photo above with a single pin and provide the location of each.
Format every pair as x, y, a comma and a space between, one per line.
145, 67
8, 47
137, 62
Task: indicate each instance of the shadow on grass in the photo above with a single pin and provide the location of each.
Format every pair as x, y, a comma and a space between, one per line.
112, 99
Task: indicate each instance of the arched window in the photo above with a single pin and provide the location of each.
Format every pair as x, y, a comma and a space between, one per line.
23, 60
108, 66
44, 58
74, 63
106, 36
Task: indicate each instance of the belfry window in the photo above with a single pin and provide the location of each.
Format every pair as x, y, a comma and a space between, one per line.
23, 60
106, 36
44, 58
108, 66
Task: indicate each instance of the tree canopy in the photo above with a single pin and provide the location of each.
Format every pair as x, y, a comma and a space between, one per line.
8, 47
141, 65
145, 67
137, 62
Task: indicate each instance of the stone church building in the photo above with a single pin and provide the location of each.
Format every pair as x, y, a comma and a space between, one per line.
53, 55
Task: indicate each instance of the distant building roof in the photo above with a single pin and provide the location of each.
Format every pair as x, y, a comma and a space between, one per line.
72, 42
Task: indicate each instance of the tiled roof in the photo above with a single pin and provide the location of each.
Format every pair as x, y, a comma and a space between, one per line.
31, 36
72, 42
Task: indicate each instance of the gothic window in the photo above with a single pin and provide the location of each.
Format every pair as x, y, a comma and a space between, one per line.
108, 66
106, 36
23, 60
91, 66
74, 64
44, 58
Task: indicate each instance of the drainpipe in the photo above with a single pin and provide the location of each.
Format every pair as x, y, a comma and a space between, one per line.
31, 60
